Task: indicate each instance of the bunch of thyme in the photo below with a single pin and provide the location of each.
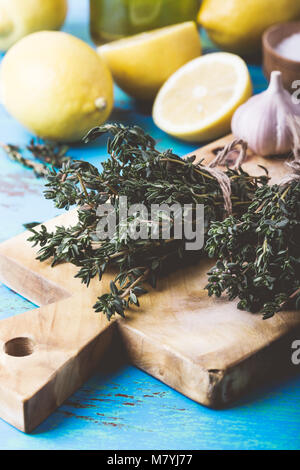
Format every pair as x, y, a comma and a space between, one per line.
259, 253
139, 171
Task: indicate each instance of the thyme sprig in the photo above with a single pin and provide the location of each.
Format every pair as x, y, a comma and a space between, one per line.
44, 156
135, 168
14, 153
259, 254
51, 153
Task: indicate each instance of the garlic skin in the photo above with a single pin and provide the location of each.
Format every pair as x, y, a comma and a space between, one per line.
265, 120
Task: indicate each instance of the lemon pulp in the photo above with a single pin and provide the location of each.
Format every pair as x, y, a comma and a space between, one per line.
198, 101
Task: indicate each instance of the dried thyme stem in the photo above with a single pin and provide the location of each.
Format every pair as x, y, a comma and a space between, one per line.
44, 155
14, 154
135, 283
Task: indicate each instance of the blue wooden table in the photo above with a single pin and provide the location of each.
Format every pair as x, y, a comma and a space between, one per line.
129, 409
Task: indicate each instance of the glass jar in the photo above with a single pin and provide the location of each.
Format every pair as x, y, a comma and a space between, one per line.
114, 19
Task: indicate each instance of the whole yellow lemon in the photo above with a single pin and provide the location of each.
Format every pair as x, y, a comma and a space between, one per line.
21, 17
56, 85
237, 25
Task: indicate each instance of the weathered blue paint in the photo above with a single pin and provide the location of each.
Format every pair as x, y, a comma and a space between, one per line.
130, 409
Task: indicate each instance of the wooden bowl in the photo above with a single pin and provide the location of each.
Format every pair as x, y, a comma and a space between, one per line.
272, 60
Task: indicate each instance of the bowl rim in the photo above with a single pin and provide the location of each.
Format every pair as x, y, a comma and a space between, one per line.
270, 48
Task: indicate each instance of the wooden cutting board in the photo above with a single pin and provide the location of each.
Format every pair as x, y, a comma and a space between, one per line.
206, 349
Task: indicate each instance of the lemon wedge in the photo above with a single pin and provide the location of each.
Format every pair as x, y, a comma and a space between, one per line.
198, 101
140, 64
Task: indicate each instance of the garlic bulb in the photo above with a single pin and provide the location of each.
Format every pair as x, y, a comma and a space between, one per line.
266, 121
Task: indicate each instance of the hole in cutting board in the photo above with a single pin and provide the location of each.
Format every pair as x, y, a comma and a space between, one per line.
19, 347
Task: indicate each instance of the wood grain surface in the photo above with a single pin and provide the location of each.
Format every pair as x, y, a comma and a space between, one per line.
206, 349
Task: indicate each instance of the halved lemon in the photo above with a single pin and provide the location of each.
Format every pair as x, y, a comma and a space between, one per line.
198, 101
140, 64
